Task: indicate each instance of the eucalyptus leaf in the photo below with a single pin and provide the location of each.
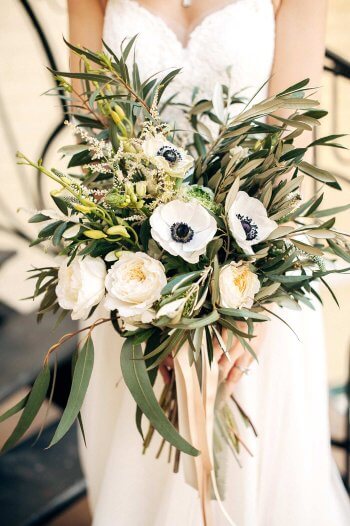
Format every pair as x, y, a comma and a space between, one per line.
15, 409
33, 403
80, 383
176, 282
243, 313
137, 380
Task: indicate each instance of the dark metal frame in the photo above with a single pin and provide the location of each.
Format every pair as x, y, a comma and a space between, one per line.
53, 65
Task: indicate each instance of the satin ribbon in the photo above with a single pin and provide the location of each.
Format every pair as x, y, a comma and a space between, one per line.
196, 423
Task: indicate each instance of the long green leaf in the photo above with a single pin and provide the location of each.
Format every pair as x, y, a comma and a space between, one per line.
243, 313
180, 280
31, 408
152, 343
320, 175
330, 211
196, 323
339, 251
14, 409
80, 382
137, 380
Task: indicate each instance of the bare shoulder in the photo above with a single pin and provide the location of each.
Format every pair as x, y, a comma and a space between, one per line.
91, 6
299, 5
103, 4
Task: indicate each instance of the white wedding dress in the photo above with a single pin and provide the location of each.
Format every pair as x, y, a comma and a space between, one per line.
291, 480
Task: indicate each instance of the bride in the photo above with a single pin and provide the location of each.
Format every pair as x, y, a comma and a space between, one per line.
290, 480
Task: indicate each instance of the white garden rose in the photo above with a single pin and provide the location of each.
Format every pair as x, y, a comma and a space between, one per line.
133, 284
248, 221
238, 286
81, 285
165, 155
183, 229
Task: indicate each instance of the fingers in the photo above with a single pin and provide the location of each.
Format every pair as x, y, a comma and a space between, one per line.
165, 374
217, 346
227, 362
237, 371
165, 368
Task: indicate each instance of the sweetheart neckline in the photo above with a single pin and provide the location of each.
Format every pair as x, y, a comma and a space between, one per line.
195, 28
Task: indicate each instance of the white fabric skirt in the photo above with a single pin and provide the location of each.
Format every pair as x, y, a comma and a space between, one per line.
290, 481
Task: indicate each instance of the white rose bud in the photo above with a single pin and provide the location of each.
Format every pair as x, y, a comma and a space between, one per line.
172, 310
238, 286
81, 285
133, 284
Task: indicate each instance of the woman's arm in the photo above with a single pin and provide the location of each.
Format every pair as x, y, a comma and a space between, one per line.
299, 54
300, 43
85, 28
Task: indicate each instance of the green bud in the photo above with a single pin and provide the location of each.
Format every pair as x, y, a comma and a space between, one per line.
82, 208
141, 188
117, 200
116, 117
139, 204
118, 230
87, 202
95, 234
129, 188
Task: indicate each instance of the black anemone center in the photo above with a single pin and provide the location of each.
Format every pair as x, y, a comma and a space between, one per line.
170, 154
250, 228
181, 232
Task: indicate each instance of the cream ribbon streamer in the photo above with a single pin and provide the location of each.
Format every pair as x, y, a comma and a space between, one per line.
196, 423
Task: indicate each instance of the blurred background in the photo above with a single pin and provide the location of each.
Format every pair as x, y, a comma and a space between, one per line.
31, 38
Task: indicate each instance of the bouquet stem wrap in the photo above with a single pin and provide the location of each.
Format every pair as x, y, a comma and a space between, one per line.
196, 405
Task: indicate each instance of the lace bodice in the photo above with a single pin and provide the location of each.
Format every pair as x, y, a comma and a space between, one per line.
238, 37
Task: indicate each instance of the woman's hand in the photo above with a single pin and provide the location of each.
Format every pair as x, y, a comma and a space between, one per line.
165, 368
231, 370
240, 359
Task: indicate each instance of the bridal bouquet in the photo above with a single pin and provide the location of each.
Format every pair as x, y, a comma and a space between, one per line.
178, 234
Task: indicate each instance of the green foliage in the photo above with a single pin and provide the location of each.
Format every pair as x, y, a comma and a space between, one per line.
80, 382
105, 210
138, 382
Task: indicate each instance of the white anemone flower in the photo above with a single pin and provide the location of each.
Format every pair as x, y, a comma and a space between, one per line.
174, 160
183, 229
248, 221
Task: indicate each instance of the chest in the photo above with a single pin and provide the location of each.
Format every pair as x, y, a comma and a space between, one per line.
233, 44
182, 16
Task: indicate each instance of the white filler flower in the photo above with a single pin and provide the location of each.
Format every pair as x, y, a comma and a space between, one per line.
133, 284
81, 285
248, 221
238, 286
165, 155
183, 229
